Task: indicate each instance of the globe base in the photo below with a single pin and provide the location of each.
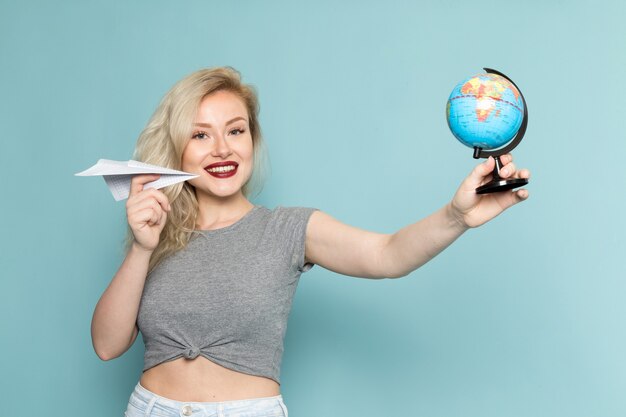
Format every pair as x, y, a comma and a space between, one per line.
501, 185
498, 183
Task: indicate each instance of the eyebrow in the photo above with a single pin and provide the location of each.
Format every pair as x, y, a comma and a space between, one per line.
208, 125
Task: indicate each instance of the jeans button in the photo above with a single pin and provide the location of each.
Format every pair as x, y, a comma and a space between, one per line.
187, 411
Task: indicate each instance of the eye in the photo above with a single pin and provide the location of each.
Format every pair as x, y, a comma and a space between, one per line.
237, 131
199, 135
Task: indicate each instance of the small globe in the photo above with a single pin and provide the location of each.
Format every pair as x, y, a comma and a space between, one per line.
485, 111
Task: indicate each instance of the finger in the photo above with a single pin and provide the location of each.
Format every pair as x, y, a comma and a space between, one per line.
506, 158
510, 198
149, 203
522, 173
522, 194
149, 194
138, 181
147, 216
154, 218
160, 197
163, 217
157, 215
507, 170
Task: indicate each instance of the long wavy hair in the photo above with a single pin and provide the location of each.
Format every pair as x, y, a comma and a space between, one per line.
166, 135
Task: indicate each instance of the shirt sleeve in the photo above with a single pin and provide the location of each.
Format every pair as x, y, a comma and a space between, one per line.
294, 222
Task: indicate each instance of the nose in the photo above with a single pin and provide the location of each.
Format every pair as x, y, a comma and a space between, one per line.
221, 148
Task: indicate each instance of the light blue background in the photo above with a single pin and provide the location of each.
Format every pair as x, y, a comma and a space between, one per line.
522, 317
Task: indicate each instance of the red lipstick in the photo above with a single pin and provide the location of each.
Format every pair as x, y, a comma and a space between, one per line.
222, 169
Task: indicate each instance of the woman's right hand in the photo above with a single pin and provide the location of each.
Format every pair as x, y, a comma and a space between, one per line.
146, 211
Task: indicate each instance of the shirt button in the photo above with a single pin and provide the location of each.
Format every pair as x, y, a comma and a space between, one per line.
187, 411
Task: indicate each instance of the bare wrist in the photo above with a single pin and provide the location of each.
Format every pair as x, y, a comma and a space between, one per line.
136, 247
455, 218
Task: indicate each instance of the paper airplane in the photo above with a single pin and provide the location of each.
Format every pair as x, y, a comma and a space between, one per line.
117, 175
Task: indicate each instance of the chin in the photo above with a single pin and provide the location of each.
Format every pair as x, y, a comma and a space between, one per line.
226, 189
221, 193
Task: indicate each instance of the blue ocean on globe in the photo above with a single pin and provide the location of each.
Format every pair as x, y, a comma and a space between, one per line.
485, 111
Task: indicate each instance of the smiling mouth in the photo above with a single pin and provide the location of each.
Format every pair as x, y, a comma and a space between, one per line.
222, 169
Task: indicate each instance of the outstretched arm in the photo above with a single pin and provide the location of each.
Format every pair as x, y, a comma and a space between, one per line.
356, 252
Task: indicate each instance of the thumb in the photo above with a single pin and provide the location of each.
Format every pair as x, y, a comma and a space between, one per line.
480, 171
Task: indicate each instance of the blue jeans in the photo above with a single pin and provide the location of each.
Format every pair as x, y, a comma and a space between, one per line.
144, 403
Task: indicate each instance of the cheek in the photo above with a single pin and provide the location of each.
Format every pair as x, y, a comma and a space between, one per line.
246, 153
243, 148
250, 162
250, 155
248, 149
189, 157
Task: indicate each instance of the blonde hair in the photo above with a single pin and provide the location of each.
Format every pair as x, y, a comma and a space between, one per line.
166, 135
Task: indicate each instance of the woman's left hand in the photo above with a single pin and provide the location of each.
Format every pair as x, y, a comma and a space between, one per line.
472, 209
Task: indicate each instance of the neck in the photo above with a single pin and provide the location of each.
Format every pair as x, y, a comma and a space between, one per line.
216, 212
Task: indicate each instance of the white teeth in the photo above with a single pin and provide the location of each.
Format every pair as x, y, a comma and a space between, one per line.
226, 168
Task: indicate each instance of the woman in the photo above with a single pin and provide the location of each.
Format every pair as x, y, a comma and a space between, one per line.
209, 277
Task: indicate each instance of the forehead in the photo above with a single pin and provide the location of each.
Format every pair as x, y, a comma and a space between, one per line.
221, 106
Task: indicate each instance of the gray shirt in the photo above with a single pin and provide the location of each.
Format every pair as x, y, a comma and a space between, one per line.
227, 295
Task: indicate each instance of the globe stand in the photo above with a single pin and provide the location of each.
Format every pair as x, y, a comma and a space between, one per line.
498, 183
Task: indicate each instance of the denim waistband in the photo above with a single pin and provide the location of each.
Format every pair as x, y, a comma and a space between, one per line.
149, 401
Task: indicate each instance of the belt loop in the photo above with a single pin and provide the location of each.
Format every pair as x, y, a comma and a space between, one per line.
153, 400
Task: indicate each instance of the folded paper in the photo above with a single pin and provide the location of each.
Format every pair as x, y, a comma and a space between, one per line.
117, 175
